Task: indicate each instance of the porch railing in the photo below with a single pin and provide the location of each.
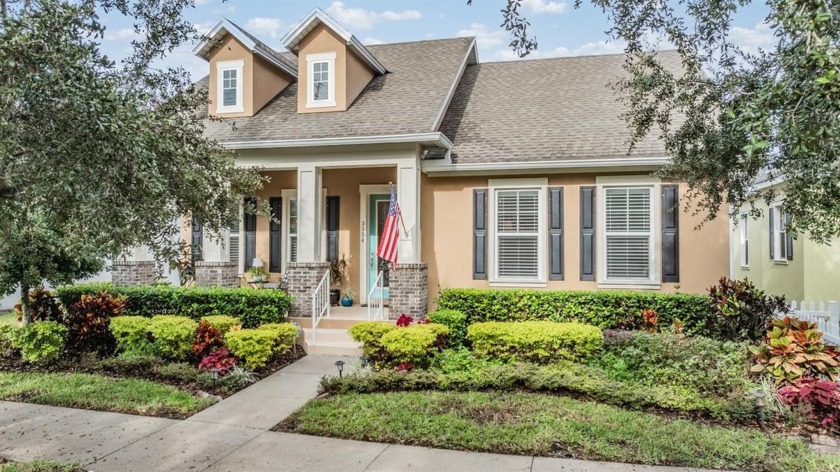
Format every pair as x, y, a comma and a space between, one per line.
376, 298
320, 304
825, 315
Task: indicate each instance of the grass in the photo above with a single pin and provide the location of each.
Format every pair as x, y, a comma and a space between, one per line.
97, 392
37, 466
546, 425
8, 317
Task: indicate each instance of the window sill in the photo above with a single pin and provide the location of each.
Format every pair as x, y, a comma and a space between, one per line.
320, 104
745, 267
630, 285
780, 262
514, 284
222, 111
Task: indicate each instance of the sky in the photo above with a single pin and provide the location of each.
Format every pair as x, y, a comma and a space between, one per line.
560, 29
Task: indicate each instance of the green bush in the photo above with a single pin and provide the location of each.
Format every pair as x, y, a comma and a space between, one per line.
7, 332
286, 336
40, 342
456, 321
222, 322
461, 359
604, 309
415, 343
131, 332
370, 335
254, 347
742, 311
252, 307
535, 341
172, 335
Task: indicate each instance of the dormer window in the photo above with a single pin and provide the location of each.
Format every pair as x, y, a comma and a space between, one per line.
229, 79
321, 87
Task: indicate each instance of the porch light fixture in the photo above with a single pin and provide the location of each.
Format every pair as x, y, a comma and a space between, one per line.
340, 366
215, 374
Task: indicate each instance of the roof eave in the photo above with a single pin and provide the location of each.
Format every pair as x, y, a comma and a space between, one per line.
428, 139
446, 167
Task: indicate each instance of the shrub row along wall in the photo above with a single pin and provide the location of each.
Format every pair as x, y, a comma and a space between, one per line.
252, 307
606, 309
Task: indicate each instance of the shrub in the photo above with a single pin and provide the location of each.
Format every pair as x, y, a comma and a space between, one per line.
88, 320
252, 307
7, 333
219, 359
404, 320
536, 341
370, 335
254, 347
238, 377
415, 344
40, 342
606, 309
461, 359
205, 340
286, 336
223, 323
820, 397
131, 332
43, 306
172, 335
794, 349
741, 311
455, 321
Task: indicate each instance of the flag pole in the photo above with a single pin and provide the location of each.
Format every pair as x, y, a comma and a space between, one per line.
399, 210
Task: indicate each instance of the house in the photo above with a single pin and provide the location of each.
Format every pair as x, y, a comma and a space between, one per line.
507, 174
778, 262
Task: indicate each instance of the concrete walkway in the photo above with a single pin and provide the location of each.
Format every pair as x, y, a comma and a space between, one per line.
233, 436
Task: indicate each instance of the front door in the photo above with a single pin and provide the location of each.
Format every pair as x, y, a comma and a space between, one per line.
378, 211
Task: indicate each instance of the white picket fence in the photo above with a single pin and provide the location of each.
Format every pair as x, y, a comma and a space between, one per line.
825, 315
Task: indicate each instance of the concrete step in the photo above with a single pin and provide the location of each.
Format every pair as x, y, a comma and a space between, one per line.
328, 335
333, 322
334, 349
330, 342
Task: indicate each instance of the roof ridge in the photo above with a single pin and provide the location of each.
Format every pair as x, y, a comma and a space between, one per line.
453, 38
555, 58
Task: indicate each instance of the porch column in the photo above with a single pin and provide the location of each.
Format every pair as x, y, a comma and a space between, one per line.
309, 214
408, 196
137, 268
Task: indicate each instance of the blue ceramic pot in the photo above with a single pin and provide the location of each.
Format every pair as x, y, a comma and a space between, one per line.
346, 301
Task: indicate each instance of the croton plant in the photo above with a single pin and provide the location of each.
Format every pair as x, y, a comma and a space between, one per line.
794, 350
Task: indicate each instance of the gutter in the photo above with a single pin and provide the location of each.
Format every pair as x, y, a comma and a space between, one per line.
436, 139
442, 167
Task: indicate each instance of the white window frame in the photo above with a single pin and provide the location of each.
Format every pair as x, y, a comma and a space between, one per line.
655, 259
311, 60
221, 67
541, 186
779, 237
744, 231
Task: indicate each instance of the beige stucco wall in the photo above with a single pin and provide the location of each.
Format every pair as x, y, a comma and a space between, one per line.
268, 81
351, 76
822, 270
447, 237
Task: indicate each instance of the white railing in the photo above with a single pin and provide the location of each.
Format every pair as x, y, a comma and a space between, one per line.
376, 298
320, 303
825, 315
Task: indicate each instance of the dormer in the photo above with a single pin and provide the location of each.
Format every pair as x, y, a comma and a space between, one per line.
245, 74
333, 66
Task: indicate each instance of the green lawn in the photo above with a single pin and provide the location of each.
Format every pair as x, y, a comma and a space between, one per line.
8, 317
546, 425
96, 392
37, 466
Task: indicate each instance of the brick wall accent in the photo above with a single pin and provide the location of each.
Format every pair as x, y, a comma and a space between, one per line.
409, 289
216, 274
300, 281
133, 273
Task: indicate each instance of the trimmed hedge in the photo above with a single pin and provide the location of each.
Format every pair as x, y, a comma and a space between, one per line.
604, 309
415, 343
455, 321
172, 335
252, 307
535, 341
131, 332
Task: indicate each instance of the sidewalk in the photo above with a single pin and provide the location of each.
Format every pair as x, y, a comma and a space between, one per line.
233, 436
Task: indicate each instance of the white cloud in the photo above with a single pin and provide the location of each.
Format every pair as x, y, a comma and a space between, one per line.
123, 34
587, 49
542, 6
484, 36
264, 27
750, 40
203, 2
369, 40
361, 19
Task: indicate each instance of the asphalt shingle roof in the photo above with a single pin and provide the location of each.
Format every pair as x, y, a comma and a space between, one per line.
406, 100
546, 109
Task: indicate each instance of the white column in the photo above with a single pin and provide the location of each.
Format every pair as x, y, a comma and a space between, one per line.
408, 196
140, 254
309, 214
216, 247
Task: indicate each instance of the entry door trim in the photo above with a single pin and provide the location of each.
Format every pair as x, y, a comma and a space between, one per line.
365, 191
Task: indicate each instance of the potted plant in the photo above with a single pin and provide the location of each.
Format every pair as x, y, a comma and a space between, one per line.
339, 277
348, 297
258, 274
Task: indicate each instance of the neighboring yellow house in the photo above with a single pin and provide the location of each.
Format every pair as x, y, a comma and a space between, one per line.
779, 263
509, 174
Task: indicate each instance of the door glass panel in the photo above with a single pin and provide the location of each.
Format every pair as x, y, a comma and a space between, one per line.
382, 213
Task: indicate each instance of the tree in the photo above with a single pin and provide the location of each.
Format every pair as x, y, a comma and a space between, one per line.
731, 117
98, 157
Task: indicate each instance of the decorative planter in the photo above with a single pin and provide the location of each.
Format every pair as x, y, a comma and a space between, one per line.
346, 302
335, 296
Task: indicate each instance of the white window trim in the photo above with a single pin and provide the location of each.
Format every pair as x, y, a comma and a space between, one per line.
221, 67
744, 232
779, 237
541, 185
311, 60
654, 282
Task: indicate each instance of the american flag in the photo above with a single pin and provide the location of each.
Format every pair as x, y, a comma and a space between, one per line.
390, 237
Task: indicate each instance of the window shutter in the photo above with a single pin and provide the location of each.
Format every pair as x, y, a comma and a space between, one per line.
250, 233
332, 228
670, 234
587, 233
772, 235
197, 241
788, 239
480, 234
555, 233
275, 235
233, 242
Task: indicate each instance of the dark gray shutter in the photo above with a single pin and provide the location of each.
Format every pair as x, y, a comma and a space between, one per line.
555, 233
772, 236
670, 234
332, 228
275, 235
197, 241
587, 233
480, 234
788, 239
250, 233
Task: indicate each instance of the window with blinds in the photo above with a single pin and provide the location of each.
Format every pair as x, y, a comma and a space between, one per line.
233, 243
628, 232
517, 234
293, 230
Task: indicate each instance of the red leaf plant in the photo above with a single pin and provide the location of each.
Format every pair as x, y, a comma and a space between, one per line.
822, 398
219, 359
405, 366
206, 340
404, 320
